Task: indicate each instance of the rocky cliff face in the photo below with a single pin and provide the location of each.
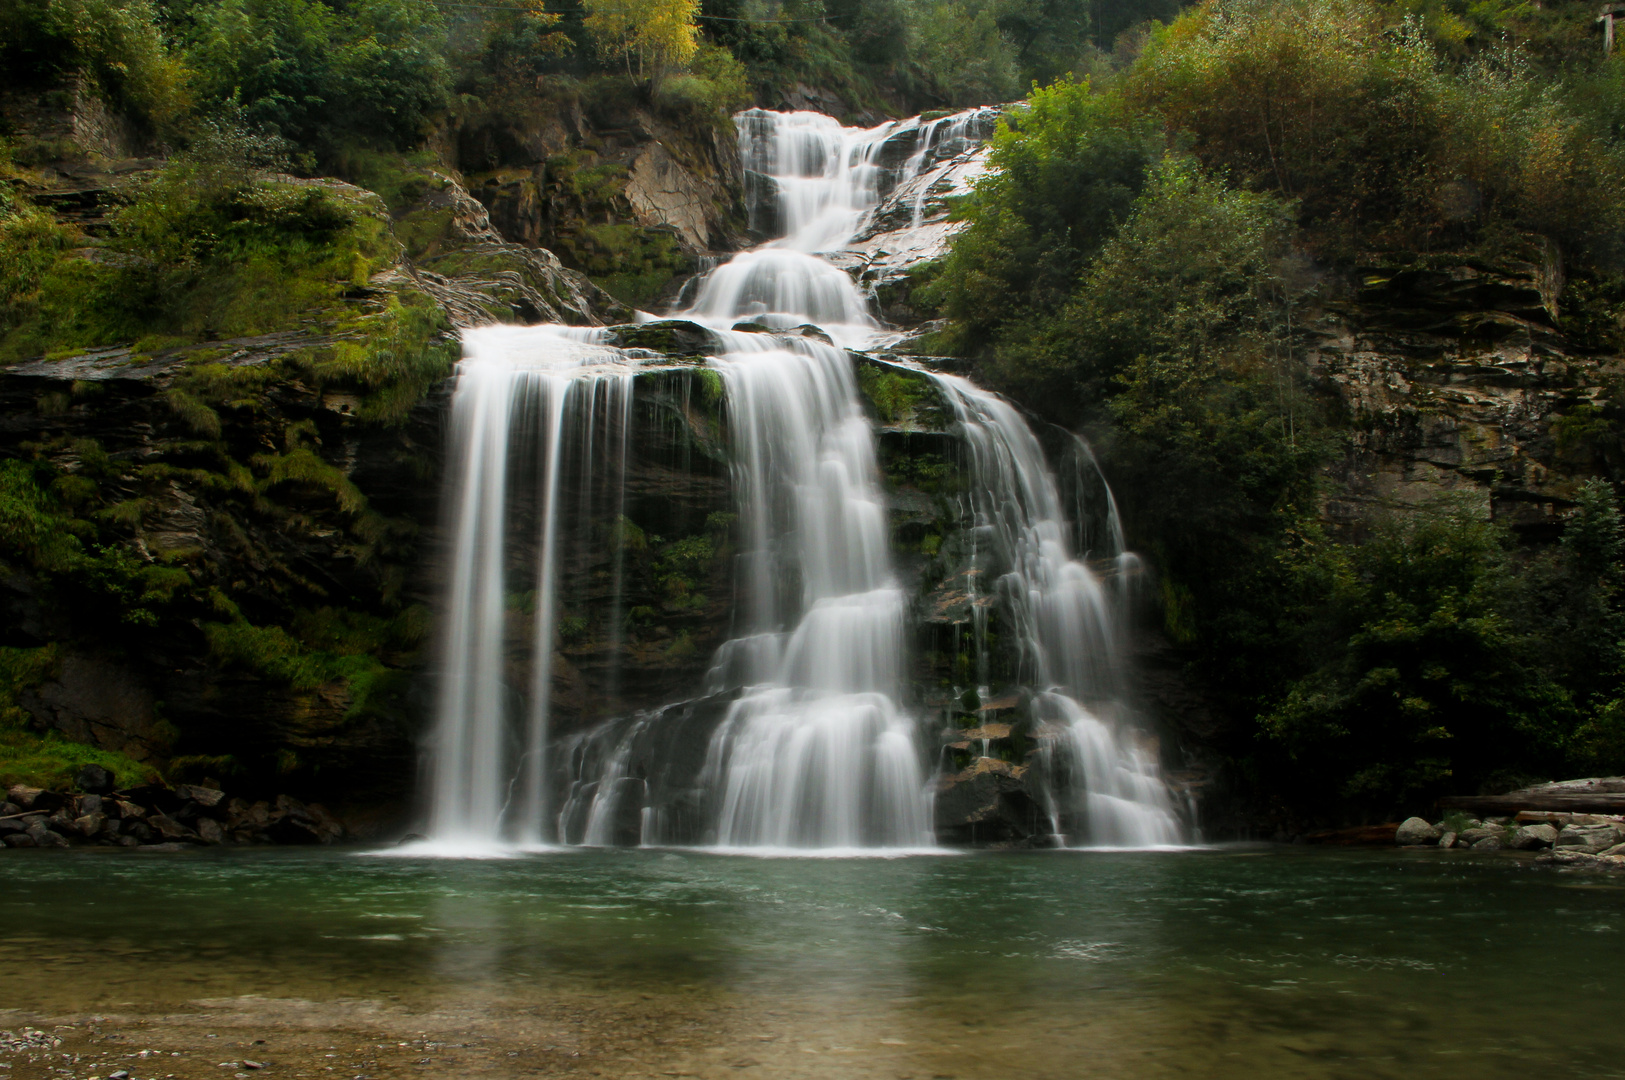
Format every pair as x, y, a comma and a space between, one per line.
246, 589
613, 186
1458, 381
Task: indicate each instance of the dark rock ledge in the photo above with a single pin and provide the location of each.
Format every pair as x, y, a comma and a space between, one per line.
154, 817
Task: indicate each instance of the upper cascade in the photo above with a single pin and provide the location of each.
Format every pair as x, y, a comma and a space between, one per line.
807, 731
813, 186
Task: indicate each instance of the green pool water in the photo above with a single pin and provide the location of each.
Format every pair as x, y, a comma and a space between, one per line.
1224, 962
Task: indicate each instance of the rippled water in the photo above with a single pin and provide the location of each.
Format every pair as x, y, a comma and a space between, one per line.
1057, 964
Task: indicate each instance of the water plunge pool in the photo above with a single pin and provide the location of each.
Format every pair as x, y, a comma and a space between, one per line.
1220, 962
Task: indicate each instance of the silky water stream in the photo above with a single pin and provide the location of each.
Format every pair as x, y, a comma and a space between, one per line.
814, 739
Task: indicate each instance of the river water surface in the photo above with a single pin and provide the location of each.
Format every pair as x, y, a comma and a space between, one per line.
1218, 963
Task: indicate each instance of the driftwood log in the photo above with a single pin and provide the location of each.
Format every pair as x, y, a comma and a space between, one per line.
1505, 805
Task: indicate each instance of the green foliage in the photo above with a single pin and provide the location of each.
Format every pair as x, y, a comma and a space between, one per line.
1066, 171
1444, 657
326, 646
895, 395
400, 352
118, 45
99, 580
209, 248
713, 89
1350, 108
372, 71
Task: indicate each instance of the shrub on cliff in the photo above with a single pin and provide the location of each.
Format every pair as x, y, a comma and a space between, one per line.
118, 46
1066, 171
1351, 108
210, 247
322, 74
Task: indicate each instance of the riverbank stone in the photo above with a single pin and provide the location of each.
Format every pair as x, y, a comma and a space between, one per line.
1534, 837
1588, 838
1447, 840
1489, 843
1414, 832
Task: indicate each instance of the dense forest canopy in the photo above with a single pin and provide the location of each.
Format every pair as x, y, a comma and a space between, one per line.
1181, 193
1146, 260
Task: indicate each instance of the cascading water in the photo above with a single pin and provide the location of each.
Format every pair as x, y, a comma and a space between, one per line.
820, 179
1105, 787
816, 751
519, 389
807, 740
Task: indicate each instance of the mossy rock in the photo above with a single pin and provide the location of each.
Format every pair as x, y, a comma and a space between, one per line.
901, 397
669, 337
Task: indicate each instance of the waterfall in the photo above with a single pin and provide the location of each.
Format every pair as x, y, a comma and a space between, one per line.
519, 390
803, 734
1105, 788
816, 752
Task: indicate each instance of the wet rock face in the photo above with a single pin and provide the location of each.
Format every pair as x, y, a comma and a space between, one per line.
991, 802
611, 187
292, 549
1453, 375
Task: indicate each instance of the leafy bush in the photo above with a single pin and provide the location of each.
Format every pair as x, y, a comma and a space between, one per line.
372, 71
1066, 171
210, 247
117, 44
1350, 108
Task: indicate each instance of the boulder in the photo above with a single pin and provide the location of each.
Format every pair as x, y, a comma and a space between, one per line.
988, 802
203, 796
18, 839
123, 809
89, 804
1447, 840
210, 831
1415, 831
23, 795
44, 837
89, 824
1617, 851
1534, 837
1469, 837
157, 796
95, 780
169, 828
1489, 843
1588, 838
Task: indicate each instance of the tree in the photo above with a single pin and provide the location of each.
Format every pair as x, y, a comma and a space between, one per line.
658, 34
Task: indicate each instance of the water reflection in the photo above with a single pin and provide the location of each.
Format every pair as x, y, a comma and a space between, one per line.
1021, 965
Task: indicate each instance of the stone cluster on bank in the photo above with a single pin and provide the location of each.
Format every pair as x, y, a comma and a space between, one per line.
1567, 838
155, 817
